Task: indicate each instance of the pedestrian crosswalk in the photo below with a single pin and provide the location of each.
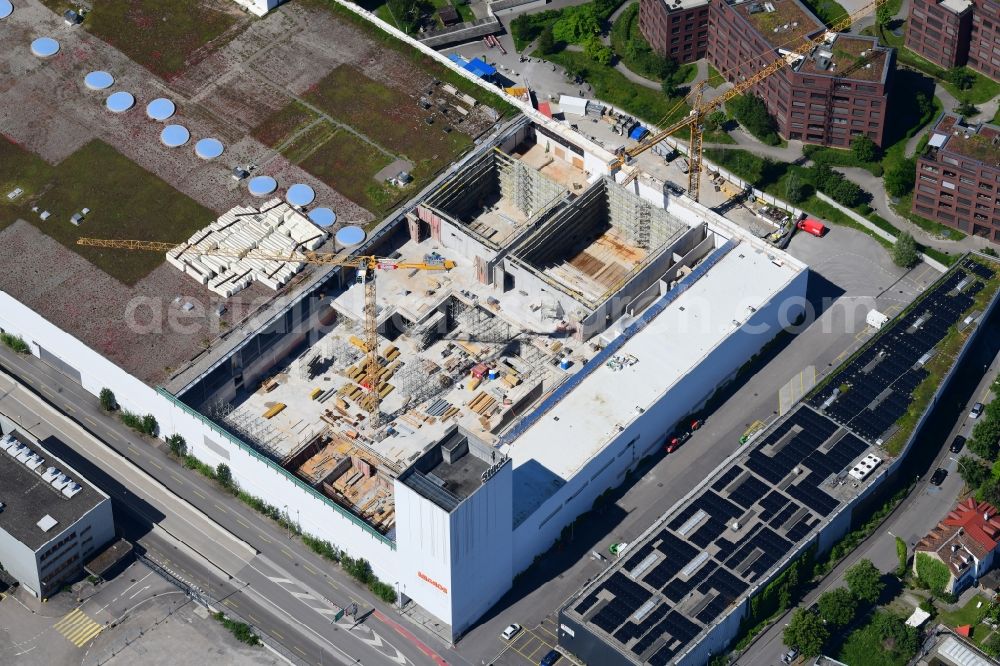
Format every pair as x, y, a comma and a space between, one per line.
78, 628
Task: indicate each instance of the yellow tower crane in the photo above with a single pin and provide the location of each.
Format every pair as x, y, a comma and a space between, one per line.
366, 266
696, 117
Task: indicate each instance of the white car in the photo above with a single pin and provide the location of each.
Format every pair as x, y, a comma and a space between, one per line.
511, 631
977, 409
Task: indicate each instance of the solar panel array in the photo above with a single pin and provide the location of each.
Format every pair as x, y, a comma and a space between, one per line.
881, 379
666, 590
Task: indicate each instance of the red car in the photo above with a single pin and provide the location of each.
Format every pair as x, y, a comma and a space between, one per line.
674, 441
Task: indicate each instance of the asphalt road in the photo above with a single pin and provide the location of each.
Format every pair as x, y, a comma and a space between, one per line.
924, 507
227, 549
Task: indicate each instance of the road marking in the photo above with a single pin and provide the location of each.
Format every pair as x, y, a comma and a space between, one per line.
264, 537
91, 421
219, 508
176, 478
199, 494
67, 408
229, 603
280, 637
77, 627
134, 450
310, 569
242, 523
253, 619
155, 464
296, 648
287, 553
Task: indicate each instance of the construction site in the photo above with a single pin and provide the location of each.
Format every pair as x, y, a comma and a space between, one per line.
540, 273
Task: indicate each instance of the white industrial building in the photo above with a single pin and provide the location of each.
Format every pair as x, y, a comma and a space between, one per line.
51, 518
582, 322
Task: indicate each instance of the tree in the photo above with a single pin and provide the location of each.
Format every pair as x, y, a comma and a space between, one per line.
751, 112
900, 178
715, 120
904, 250
546, 42
108, 402
597, 51
864, 149
973, 472
795, 190
805, 632
149, 425
961, 78
864, 581
669, 88
966, 108
902, 557
576, 24
883, 17
844, 192
837, 606
985, 438
896, 636
224, 475
177, 445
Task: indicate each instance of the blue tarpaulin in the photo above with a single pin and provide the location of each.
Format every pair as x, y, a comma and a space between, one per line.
458, 60
480, 68
638, 132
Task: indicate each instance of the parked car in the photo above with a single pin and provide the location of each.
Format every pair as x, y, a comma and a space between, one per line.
550, 658
957, 444
790, 656
977, 409
511, 631
939, 476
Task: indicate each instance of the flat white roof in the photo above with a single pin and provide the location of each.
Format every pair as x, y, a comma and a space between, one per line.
957, 6
667, 349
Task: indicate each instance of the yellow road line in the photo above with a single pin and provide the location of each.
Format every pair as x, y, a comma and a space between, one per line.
198, 494
176, 478
242, 523
296, 648
91, 421
265, 538
219, 508
280, 637
310, 569
134, 450
253, 619
542, 627
155, 464
287, 553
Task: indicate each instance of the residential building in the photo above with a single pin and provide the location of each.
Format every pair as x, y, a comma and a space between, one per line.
51, 518
984, 47
965, 541
837, 91
676, 29
958, 177
940, 31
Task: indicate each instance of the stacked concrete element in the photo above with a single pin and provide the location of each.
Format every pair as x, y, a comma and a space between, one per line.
958, 177
274, 229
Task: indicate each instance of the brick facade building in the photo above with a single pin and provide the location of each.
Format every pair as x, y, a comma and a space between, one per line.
940, 31
984, 48
676, 29
958, 177
836, 92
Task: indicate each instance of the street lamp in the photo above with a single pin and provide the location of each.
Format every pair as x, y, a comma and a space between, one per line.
288, 519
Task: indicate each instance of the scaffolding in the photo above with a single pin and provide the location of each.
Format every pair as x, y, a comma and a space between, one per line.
255, 431
527, 189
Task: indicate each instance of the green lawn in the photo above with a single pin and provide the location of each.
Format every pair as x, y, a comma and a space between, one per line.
282, 123
126, 201
611, 86
828, 11
967, 614
160, 35
389, 116
348, 165
715, 79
